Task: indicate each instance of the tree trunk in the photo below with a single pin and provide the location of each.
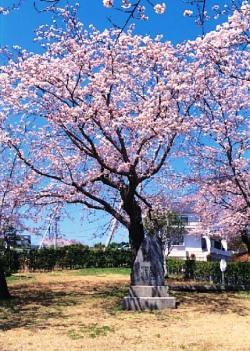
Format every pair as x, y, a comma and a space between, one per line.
136, 236
4, 292
136, 228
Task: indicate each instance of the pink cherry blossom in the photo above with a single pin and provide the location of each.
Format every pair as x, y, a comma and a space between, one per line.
108, 3
160, 8
188, 13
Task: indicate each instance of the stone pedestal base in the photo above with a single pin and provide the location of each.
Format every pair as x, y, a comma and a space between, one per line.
148, 303
148, 298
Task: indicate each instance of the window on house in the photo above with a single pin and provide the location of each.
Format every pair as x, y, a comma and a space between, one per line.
203, 244
216, 244
184, 220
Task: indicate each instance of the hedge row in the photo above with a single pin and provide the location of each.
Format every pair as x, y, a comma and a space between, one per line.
80, 256
68, 257
237, 273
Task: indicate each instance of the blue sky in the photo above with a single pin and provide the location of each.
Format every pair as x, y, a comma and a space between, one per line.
18, 29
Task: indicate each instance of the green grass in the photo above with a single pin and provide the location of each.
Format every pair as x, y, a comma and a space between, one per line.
102, 271
245, 294
16, 278
93, 331
98, 272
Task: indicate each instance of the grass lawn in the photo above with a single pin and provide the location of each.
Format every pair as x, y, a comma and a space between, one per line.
80, 310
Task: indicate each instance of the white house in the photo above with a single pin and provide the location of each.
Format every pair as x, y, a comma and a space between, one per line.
193, 245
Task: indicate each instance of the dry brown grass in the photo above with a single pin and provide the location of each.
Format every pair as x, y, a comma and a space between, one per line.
65, 312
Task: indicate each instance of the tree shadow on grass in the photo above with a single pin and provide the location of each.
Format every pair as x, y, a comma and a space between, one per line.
112, 299
41, 305
32, 306
210, 302
222, 303
214, 302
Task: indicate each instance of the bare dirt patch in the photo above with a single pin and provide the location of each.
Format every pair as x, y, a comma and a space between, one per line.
59, 312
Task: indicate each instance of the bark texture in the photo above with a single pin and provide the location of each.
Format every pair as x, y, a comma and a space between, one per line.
136, 229
4, 292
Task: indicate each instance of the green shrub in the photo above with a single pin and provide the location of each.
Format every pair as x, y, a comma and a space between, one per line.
67, 257
237, 273
9, 260
81, 256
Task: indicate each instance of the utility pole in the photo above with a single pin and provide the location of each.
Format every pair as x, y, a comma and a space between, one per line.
51, 231
114, 226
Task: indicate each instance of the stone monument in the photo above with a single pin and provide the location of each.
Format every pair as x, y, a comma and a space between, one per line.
147, 290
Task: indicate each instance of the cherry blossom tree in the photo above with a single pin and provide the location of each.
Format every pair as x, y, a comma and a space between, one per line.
97, 119
15, 204
9, 205
223, 199
107, 111
221, 153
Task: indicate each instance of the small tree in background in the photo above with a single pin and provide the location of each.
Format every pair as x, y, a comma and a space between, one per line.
14, 186
169, 227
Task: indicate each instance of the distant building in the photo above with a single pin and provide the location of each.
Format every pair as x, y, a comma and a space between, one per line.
196, 246
22, 242
15, 242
